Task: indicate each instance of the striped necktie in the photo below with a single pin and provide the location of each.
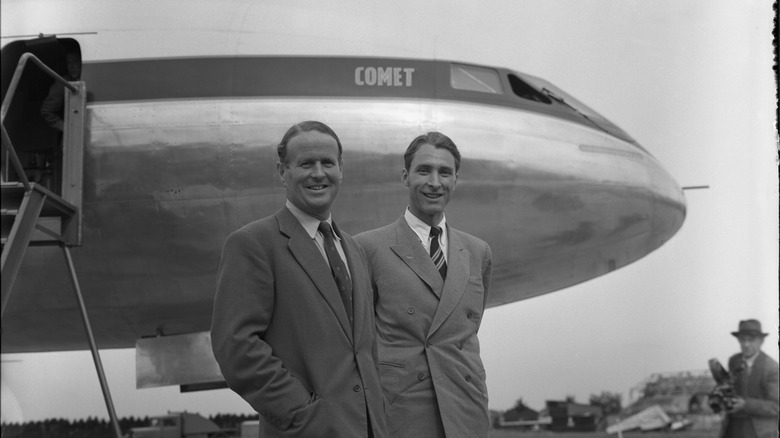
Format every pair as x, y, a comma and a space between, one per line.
436, 253
337, 268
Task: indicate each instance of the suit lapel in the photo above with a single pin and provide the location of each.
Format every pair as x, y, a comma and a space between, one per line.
753, 381
455, 285
309, 257
412, 253
356, 272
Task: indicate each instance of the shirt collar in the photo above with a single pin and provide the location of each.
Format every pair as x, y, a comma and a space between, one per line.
310, 223
750, 360
422, 229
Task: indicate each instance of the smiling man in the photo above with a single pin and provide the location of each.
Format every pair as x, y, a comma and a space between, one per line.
293, 322
430, 286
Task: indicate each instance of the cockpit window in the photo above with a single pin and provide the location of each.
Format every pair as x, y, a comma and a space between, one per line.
522, 89
548, 89
473, 78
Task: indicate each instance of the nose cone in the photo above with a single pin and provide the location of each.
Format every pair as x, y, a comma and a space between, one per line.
669, 208
594, 209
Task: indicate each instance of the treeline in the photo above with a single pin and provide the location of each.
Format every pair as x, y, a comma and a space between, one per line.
97, 428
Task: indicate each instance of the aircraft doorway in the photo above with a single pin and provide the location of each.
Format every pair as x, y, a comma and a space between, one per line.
36, 119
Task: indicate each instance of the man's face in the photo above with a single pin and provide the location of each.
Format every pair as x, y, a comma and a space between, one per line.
312, 172
431, 179
750, 345
74, 66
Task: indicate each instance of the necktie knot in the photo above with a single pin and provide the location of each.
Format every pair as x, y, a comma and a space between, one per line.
435, 231
325, 229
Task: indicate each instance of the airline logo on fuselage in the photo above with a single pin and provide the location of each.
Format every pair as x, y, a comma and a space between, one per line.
383, 76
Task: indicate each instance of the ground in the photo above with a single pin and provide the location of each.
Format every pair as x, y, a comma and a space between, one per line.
499, 433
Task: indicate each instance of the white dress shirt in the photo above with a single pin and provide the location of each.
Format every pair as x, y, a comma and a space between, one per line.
311, 224
423, 232
749, 362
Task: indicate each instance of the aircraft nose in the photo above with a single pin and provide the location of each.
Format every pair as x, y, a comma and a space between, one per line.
669, 207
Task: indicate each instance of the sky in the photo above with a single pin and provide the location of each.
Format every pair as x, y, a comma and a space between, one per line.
690, 80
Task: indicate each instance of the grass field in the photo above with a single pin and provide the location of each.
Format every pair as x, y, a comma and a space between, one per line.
499, 433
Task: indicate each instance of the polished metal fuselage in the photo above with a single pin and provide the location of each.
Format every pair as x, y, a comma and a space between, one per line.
165, 182
179, 153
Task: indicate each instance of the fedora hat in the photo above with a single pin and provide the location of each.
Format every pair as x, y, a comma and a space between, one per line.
750, 327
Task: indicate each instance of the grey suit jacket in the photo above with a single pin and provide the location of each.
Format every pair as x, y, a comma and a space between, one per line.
282, 338
761, 394
429, 361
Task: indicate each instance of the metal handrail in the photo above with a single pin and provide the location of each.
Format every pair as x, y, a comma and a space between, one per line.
8, 146
18, 74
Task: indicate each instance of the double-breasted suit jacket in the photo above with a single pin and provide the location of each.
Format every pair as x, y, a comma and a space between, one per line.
282, 337
760, 390
429, 362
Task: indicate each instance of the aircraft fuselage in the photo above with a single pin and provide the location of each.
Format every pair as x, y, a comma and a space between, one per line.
181, 151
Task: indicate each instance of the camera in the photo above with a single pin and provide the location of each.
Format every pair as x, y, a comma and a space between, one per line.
722, 397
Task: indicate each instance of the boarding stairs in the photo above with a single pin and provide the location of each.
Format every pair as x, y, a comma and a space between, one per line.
33, 215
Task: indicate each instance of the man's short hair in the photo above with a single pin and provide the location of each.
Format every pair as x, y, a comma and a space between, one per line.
299, 128
435, 139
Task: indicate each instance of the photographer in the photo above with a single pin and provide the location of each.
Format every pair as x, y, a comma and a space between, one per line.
753, 412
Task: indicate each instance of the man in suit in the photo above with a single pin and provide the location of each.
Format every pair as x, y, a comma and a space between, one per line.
293, 324
755, 379
430, 285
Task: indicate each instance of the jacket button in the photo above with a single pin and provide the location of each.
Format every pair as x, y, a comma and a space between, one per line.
410, 311
460, 346
468, 378
421, 376
356, 388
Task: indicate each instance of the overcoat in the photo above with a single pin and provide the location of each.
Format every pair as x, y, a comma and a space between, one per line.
282, 337
759, 388
429, 362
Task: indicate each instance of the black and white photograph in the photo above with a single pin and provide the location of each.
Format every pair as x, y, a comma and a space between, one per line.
532, 218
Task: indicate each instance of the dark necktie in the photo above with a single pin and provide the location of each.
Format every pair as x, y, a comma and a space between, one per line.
337, 268
436, 253
739, 377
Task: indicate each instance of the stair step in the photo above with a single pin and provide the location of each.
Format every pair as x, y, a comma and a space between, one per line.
11, 185
50, 242
55, 206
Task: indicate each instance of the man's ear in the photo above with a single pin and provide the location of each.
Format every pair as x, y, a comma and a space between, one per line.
405, 177
281, 169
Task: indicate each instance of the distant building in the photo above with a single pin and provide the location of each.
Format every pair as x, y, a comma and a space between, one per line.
521, 412
569, 416
520, 417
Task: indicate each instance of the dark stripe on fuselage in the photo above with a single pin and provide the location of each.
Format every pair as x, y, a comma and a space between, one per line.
327, 77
